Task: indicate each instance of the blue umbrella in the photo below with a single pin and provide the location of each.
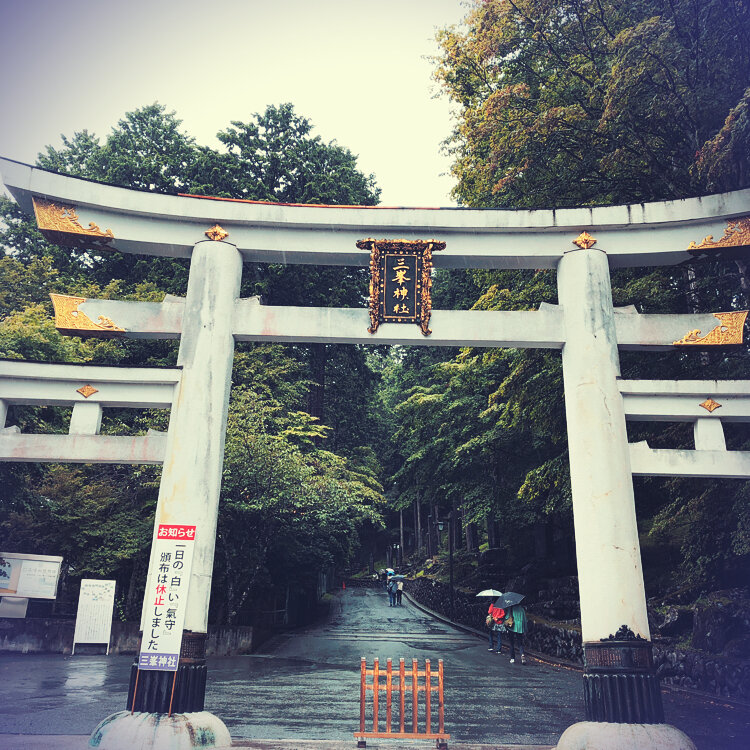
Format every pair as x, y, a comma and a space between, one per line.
509, 599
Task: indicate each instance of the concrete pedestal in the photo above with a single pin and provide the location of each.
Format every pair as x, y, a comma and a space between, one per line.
592, 735
149, 731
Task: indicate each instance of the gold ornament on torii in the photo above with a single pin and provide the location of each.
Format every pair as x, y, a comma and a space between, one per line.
71, 321
710, 405
216, 233
59, 224
737, 234
730, 331
584, 241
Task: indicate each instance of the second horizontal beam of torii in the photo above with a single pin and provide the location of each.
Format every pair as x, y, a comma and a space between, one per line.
253, 321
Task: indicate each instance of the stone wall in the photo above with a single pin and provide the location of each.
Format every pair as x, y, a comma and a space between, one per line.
55, 636
697, 670
554, 639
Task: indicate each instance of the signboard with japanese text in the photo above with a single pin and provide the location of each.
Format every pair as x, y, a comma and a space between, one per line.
29, 576
94, 616
162, 632
400, 281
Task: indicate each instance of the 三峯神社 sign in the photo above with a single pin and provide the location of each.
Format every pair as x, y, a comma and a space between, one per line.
400, 281
581, 244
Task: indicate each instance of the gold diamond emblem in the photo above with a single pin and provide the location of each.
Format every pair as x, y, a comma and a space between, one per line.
86, 390
710, 405
216, 233
584, 241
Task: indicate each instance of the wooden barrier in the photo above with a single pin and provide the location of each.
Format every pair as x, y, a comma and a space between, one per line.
405, 684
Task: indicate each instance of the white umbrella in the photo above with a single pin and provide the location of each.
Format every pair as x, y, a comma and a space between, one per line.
490, 592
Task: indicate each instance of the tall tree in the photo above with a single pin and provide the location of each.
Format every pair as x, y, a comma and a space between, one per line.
567, 103
274, 157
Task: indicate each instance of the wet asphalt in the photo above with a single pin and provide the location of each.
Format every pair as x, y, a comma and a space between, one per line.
305, 685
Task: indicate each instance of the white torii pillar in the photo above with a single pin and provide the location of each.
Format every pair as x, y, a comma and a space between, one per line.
623, 698
189, 495
193, 464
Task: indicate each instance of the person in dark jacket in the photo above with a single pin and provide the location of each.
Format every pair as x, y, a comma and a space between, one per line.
391, 593
515, 626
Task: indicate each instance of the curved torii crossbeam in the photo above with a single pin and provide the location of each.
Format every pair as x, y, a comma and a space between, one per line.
646, 234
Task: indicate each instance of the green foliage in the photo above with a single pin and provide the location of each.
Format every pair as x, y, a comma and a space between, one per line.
568, 103
289, 508
723, 163
100, 520
300, 505
275, 158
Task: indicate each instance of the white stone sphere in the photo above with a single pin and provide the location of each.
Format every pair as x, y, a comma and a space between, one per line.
150, 731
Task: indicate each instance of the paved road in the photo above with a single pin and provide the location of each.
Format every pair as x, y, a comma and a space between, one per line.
487, 699
305, 685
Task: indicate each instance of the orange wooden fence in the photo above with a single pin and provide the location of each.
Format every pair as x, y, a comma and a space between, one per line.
406, 685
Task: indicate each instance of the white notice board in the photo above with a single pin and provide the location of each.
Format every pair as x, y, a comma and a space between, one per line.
29, 576
94, 616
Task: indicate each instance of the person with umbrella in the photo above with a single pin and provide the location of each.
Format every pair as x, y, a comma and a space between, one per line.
494, 620
514, 622
392, 588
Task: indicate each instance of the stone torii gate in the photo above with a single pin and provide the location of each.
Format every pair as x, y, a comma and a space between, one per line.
623, 702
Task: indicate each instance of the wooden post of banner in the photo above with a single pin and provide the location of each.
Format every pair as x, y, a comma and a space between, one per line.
427, 696
388, 694
362, 693
135, 690
414, 695
171, 697
402, 692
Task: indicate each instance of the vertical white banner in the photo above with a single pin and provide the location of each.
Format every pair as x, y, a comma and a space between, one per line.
94, 616
162, 633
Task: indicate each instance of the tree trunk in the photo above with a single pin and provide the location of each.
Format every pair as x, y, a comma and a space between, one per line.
316, 398
418, 524
492, 536
470, 534
432, 530
401, 539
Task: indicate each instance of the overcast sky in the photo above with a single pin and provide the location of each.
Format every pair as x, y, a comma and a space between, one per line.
356, 68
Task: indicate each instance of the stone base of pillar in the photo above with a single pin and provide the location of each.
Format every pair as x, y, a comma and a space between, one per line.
597, 735
157, 731
619, 683
153, 693
161, 692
